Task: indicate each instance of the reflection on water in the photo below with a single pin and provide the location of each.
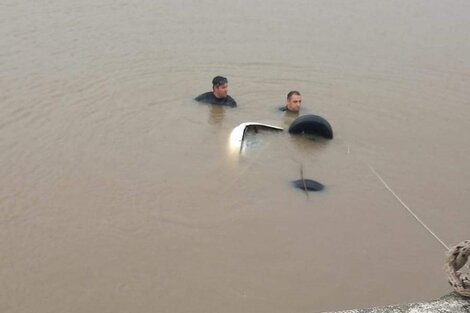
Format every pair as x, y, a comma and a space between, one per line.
116, 191
216, 114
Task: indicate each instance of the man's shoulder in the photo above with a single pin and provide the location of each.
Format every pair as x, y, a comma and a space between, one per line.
282, 108
230, 101
207, 96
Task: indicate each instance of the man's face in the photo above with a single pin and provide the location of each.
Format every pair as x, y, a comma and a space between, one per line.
221, 91
294, 102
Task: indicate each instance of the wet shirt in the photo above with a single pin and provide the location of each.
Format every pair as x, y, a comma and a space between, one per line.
209, 97
285, 109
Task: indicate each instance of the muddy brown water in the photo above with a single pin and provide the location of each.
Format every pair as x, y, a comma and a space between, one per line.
118, 193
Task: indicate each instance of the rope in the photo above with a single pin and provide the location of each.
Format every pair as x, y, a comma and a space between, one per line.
406, 207
303, 179
400, 200
457, 257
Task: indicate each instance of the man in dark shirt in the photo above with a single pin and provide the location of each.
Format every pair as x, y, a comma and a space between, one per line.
218, 95
294, 101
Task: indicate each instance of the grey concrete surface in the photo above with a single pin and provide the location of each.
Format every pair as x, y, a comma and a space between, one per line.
451, 303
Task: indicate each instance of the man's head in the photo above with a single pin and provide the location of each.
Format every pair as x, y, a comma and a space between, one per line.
294, 100
220, 87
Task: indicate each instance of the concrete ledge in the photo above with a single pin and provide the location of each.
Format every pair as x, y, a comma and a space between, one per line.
451, 303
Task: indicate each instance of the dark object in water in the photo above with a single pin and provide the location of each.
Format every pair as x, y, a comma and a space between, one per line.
312, 125
307, 184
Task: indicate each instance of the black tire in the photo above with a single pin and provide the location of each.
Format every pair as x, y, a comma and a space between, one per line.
312, 125
310, 185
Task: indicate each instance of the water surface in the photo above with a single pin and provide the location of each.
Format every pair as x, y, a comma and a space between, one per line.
118, 193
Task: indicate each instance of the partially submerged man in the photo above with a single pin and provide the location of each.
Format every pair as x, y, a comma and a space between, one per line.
294, 101
218, 95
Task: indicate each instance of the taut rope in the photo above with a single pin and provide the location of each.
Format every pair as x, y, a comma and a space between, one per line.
457, 256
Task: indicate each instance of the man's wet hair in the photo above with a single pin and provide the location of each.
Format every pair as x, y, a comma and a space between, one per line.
293, 92
219, 81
